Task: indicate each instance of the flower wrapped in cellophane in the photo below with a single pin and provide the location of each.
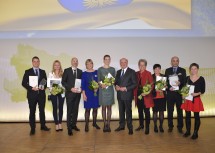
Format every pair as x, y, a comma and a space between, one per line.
185, 91
146, 89
94, 86
57, 89
109, 80
160, 84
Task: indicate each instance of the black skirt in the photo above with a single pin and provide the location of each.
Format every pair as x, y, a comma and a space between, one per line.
159, 104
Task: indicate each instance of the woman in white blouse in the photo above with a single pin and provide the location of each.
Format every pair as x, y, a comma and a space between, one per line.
57, 99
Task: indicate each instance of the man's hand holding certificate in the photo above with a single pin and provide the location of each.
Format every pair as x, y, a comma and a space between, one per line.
174, 82
33, 82
77, 87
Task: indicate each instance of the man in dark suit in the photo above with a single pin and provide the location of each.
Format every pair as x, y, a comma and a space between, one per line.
173, 97
73, 94
35, 95
125, 83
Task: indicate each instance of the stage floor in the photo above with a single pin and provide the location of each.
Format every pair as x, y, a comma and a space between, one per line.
14, 138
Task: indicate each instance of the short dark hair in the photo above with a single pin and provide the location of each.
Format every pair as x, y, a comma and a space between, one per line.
194, 64
35, 57
106, 56
156, 66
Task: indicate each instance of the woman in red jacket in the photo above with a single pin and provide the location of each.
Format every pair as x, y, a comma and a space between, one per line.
143, 105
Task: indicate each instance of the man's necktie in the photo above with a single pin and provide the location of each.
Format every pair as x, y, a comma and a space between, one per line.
122, 74
74, 73
174, 70
36, 72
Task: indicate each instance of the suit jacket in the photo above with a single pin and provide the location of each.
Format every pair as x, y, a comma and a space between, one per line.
145, 76
181, 72
68, 81
129, 81
31, 94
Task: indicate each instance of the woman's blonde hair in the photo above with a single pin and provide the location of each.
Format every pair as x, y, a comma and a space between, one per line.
61, 70
88, 61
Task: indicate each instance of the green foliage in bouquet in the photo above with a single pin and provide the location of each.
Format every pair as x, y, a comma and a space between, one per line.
94, 86
57, 89
108, 81
160, 84
146, 89
185, 91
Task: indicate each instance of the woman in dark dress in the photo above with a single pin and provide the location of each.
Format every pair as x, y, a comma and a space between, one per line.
106, 93
196, 105
90, 99
159, 100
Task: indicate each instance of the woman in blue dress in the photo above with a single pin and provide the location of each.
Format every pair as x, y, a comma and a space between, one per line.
89, 97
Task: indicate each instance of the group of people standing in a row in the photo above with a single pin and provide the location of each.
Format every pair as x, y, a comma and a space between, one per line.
128, 85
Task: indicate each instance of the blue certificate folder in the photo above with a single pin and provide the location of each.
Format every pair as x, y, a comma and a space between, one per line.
85, 5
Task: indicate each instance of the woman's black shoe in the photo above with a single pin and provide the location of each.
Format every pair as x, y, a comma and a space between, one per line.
96, 126
86, 128
108, 129
194, 136
161, 129
139, 128
186, 134
155, 129
147, 130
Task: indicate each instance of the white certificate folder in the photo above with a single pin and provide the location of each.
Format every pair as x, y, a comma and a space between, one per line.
33, 81
78, 83
172, 82
190, 97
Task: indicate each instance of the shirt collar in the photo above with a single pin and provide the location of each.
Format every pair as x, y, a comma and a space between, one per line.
125, 69
35, 68
73, 68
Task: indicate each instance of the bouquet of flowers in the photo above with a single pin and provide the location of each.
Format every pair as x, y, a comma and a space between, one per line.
160, 85
146, 89
94, 86
109, 80
57, 89
185, 91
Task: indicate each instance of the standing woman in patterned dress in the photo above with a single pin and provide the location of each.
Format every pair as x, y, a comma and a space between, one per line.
196, 105
106, 94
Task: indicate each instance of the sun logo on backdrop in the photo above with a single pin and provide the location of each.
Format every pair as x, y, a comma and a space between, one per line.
98, 3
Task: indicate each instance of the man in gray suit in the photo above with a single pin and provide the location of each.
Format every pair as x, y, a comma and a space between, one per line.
73, 94
126, 81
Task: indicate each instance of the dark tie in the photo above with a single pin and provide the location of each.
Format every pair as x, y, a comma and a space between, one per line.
122, 74
74, 73
174, 70
36, 72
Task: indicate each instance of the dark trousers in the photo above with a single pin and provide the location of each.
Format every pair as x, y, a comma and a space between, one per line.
172, 99
72, 110
125, 107
142, 108
57, 104
32, 106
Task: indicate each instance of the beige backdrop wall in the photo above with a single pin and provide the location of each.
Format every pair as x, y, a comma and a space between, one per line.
16, 54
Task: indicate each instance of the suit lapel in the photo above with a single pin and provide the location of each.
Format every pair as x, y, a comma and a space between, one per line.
32, 73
